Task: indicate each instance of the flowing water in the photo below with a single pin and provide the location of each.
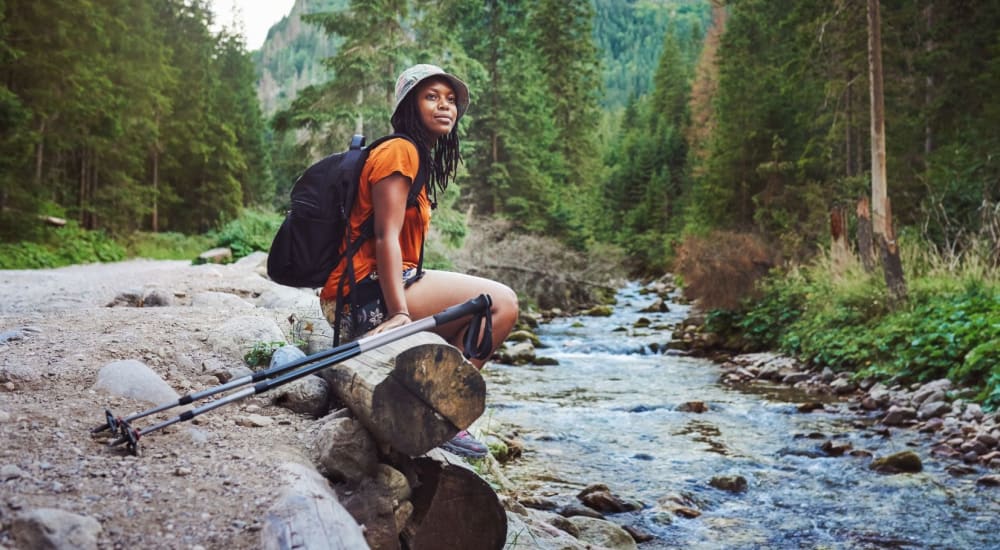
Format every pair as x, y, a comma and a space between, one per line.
608, 413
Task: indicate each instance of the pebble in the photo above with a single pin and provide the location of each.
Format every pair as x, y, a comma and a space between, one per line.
10, 471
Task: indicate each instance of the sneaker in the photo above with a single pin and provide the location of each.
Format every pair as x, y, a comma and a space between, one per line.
465, 445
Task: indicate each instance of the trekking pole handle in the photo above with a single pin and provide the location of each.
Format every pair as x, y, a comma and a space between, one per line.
483, 302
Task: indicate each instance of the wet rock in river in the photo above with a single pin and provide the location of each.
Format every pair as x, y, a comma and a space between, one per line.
902, 462
931, 409
732, 483
603, 533
693, 407
897, 416
600, 498
991, 480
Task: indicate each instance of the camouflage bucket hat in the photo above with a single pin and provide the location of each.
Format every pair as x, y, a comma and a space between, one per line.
416, 74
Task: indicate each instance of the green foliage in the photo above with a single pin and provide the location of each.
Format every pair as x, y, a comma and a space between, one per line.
260, 354
61, 246
252, 232
949, 328
166, 246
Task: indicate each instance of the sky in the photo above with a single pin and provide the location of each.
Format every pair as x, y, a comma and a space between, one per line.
256, 17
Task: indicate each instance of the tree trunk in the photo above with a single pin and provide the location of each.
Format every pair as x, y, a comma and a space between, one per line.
452, 507
880, 218
839, 249
866, 249
413, 394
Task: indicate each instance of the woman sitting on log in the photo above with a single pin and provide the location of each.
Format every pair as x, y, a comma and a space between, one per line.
391, 289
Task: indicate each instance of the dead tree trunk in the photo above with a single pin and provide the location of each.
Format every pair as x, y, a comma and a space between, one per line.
412, 395
839, 249
881, 220
866, 249
452, 507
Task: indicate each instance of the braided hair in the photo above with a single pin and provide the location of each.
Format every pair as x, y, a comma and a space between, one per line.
444, 151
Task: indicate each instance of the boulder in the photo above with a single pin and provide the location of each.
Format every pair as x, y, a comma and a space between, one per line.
54, 529
134, 380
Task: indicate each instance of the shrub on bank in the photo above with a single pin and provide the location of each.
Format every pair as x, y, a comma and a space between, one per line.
59, 246
949, 327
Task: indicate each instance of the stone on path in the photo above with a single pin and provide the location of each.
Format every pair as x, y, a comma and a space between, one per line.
133, 379
51, 528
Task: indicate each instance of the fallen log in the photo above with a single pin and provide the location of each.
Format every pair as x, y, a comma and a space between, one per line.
412, 394
452, 506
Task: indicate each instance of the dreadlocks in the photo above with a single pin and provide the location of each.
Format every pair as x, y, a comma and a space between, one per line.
445, 150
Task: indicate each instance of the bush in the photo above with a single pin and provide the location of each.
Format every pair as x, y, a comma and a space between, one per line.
166, 246
721, 270
253, 231
60, 246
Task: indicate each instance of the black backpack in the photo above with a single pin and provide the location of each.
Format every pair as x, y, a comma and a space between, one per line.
306, 248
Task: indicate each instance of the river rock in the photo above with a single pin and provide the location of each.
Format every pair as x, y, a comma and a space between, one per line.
529, 532
600, 498
841, 386
134, 380
902, 462
932, 409
54, 529
524, 336
518, 353
731, 483
897, 416
991, 480
693, 407
603, 533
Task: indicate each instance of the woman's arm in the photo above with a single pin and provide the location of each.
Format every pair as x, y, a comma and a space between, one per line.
389, 200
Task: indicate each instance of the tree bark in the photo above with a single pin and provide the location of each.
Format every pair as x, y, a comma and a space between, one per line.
412, 395
452, 507
866, 250
881, 222
839, 249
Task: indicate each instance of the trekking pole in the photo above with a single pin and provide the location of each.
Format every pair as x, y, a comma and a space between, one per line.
481, 304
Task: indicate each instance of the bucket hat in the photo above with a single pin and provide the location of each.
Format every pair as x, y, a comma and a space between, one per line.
410, 78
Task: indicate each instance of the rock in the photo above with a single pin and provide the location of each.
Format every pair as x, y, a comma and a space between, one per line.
897, 416
658, 306
991, 480
833, 448
809, 407
692, 407
221, 255
524, 336
600, 498
126, 298
394, 482
157, 298
576, 509
902, 462
51, 528
530, 532
519, 353
599, 311
642, 322
989, 440
732, 483
880, 394
134, 380
4, 416
973, 412
686, 512
10, 471
220, 300
238, 335
795, 377
309, 395
307, 514
932, 409
538, 503
343, 449
603, 533
841, 386
927, 396
254, 421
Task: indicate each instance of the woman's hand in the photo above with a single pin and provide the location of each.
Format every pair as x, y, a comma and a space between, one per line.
397, 320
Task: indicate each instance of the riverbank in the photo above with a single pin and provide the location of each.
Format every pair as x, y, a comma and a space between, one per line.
951, 426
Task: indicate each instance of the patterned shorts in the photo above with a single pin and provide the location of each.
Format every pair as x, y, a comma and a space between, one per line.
369, 310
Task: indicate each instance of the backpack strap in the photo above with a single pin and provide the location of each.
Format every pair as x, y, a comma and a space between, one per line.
368, 226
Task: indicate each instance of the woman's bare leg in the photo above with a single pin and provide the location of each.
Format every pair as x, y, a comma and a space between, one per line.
438, 290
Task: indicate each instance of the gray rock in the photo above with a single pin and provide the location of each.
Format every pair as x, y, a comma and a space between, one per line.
343, 449
157, 298
518, 353
927, 396
902, 462
973, 412
308, 395
220, 300
603, 533
841, 386
531, 532
897, 416
222, 255
237, 336
932, 409
133, 379
10, 471
796, 377
54, 529
307, 514
394, 482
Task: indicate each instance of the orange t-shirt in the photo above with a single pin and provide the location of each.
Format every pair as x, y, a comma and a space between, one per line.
395, 156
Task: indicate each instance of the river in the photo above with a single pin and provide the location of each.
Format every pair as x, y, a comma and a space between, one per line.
608, 413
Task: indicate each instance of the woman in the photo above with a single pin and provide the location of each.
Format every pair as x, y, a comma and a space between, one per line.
390, 292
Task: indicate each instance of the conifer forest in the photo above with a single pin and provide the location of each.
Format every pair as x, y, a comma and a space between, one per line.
629, 122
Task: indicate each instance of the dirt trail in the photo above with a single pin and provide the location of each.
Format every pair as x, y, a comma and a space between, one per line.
205, 483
